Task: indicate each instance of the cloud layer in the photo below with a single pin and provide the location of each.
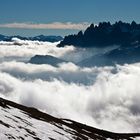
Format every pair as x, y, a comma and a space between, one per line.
107, 100
27, 49
104, 97
54, 25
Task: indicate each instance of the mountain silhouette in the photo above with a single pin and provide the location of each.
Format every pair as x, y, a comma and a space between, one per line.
105, 34
122, 55
46, 59
36, 38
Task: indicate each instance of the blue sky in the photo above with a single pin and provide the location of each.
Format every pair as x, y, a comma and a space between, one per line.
44, 12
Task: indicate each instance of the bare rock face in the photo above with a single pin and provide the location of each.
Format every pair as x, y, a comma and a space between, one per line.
105, 34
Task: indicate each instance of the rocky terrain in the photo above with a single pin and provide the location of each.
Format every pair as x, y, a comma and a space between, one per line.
105, 34
25, 123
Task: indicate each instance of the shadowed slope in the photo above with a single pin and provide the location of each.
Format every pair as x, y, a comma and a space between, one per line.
66, 129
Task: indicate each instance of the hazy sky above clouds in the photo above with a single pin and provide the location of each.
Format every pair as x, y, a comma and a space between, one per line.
61, 17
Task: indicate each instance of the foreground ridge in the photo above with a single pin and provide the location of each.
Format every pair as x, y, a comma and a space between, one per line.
21, 122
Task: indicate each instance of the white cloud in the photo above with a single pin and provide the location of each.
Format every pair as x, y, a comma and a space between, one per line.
105, 97
113, 98
27, 49
67, 72
54, 25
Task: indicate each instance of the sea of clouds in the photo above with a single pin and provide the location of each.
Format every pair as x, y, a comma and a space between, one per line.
103, 97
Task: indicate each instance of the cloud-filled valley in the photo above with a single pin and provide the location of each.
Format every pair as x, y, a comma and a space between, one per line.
104, 97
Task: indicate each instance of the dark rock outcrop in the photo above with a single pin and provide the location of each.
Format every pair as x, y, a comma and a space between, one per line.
105, 34
46, 59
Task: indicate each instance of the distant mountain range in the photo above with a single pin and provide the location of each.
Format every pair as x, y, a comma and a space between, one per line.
121, 55
105, 34
38, 38
21, 122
